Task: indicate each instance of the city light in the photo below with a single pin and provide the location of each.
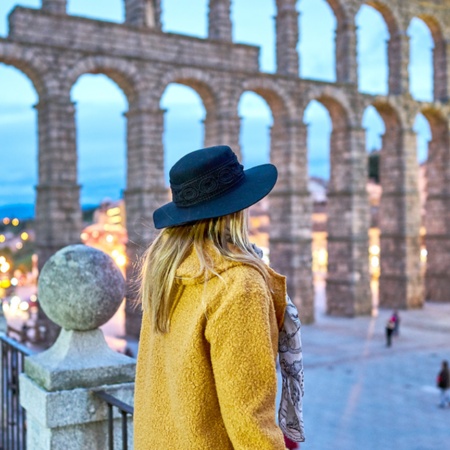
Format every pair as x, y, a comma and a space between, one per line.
4, 267
14, 281
15, 222
423, 255
374, 250
2, 238
24, 236
6, 221
121, 260
24, 306
109, 238
19, 245
5, 284
375, 261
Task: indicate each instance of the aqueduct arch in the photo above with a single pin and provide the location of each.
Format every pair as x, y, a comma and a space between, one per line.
143, 60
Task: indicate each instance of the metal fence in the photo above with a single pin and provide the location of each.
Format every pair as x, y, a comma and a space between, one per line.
12, 415
125, 411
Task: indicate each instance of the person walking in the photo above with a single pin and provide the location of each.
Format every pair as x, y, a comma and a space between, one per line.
390, 326
212, 314
396, 319
443, 383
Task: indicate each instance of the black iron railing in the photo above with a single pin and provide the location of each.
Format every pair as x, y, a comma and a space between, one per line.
125, 411
12, 415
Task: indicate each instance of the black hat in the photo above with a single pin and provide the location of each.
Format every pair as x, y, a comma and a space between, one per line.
211, 183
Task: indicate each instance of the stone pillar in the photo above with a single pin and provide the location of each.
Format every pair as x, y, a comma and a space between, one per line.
346, 63
398, 60
55, 6
437, 220
348, 280
440, 69
143, 13
145, 192
223, 129
58, 213
290, 214
219, 20
80, 288
287, 37
401, 280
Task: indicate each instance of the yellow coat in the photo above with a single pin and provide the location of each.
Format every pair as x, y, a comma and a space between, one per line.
210, 383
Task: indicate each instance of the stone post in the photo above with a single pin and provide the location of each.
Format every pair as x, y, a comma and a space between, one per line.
219, 20
290, 214
287, 37
401, 280
348, 280
346, 64
58, 213
143, 13
145, 192
55, 6
80, 288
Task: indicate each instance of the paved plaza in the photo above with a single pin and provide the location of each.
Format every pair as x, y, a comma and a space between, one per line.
361, 395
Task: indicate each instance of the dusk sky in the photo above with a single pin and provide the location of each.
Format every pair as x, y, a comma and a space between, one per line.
101, 104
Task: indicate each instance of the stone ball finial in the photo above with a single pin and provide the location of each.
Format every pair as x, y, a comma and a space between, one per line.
80, 288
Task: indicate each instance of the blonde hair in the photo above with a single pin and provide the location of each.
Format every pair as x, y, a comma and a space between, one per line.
173, 244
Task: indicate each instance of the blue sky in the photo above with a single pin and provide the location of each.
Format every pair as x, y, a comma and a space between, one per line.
101, 104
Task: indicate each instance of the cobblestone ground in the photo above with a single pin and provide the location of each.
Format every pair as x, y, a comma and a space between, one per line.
361, 395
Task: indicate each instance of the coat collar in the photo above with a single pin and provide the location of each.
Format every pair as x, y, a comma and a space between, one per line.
188, 273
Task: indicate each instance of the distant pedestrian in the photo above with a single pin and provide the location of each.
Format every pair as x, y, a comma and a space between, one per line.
443, 383
390, 325
396, 319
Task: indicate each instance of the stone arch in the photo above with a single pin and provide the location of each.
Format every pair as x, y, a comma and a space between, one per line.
125, 75
26, 62
440, 90
397, 47
283, 109
390, 113
336, 101
276, 97
196, 79
203, 84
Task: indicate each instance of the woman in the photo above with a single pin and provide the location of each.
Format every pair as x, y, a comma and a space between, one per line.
212, 312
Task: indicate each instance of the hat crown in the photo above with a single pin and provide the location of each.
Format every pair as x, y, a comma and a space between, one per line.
200, 162
204, 174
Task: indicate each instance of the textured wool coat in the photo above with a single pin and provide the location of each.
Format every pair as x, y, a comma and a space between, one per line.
210, 383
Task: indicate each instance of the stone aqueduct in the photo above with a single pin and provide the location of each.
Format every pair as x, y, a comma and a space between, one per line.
54, 49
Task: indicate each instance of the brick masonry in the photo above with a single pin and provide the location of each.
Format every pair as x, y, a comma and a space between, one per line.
54, 49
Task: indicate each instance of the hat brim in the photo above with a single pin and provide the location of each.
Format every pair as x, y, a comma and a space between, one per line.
258, 182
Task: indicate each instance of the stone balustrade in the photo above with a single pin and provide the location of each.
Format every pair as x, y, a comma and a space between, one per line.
80, 289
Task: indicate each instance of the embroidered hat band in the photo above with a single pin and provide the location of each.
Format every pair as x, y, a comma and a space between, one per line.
213, 184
